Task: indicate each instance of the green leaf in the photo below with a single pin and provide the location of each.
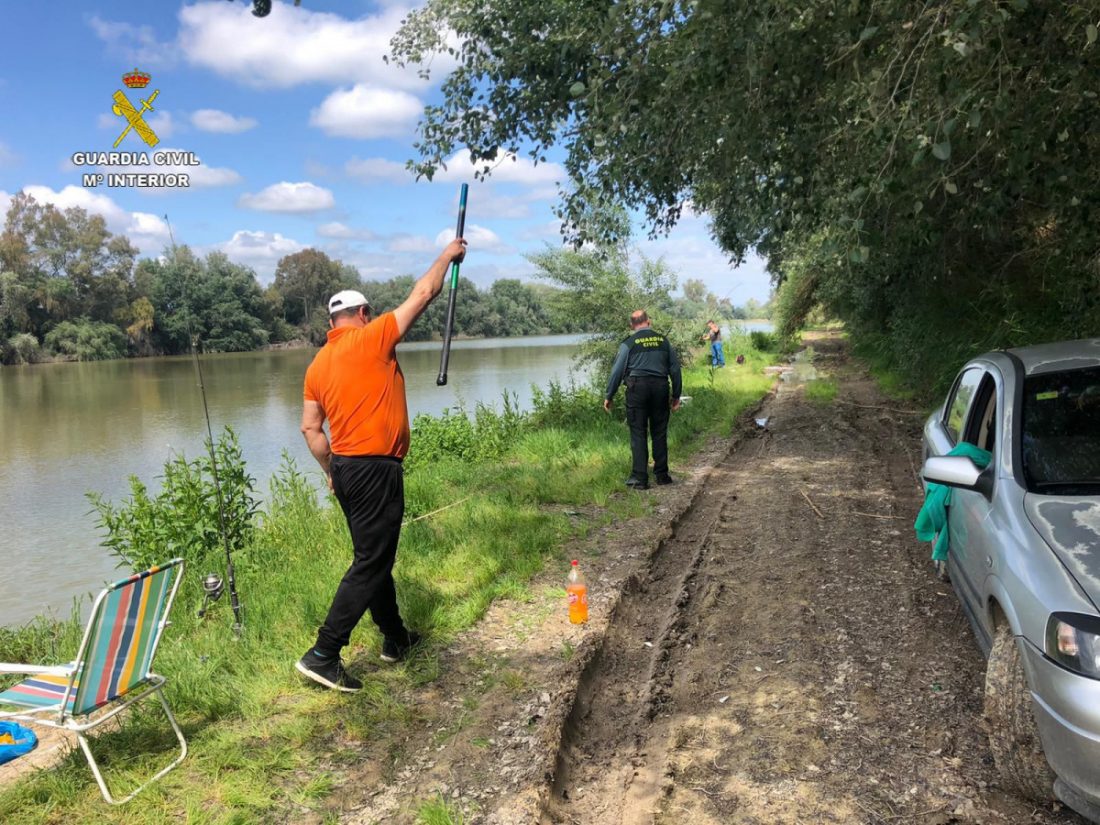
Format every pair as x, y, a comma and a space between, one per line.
577, 89
1020, 5
942, 150
1090, 33
868, 33
975, 119
951, 188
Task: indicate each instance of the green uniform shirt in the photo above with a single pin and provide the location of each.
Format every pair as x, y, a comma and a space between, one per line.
645, 353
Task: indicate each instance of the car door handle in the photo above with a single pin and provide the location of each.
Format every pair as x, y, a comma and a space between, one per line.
989, 561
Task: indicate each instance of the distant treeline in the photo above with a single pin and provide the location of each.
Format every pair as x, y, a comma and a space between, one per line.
70, 289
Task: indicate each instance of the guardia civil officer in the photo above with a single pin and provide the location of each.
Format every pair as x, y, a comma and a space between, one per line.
646, 361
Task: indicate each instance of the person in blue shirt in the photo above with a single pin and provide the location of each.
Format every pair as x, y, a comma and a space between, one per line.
646, 361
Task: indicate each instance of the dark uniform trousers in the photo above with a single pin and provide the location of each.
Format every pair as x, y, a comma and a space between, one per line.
647, 408
371, 492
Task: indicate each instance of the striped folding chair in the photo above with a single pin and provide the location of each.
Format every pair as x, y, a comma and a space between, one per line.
111, 670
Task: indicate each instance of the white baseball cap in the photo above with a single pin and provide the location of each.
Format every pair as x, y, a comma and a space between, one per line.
347, 299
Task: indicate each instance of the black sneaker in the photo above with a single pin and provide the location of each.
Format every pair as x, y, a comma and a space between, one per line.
664, 478
394, 651
637, 483
328, 672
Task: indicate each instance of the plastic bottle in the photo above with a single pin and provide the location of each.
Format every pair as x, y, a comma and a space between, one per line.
577, 591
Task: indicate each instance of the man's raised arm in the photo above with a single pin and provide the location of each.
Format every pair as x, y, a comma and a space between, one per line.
428, 287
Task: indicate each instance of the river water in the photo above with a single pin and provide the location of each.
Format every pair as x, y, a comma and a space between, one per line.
71, 428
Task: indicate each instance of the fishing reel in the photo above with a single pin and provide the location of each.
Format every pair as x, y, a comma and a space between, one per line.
212, 588
262, 8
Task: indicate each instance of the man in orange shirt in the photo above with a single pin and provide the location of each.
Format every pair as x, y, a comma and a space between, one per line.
356, 384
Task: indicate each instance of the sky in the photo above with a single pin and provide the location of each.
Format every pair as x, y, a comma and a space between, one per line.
302, 131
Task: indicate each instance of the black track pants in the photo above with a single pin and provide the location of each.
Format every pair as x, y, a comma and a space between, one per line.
647, 408
371, 491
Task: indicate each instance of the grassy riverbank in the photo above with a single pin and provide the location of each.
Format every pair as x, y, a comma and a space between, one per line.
265, 746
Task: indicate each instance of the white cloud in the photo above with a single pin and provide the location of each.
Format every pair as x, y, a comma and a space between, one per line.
479, 239
7, 156
339, 231
491, 204
162, 124
138, 44
506, 168
289, 197
293, 47
148, 232
550, 231
215, 120
5, 202
259, 250
412, 243
378, 169
367, 112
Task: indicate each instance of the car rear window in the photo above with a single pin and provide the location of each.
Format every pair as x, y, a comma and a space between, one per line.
1061, 432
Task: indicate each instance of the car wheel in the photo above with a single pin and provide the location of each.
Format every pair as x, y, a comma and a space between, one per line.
1010, 722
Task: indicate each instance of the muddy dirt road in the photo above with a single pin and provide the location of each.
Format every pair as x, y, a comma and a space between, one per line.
781, 653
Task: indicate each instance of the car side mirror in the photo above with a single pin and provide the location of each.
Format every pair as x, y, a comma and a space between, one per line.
959, 471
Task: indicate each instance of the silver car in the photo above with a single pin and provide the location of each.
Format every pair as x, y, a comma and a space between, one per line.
1024, 557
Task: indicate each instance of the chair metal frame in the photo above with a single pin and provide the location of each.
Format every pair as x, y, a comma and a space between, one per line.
149, 685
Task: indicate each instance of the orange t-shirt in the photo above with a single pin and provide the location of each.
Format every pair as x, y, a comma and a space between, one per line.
358, 383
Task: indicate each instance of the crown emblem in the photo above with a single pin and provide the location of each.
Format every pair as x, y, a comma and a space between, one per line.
136, 79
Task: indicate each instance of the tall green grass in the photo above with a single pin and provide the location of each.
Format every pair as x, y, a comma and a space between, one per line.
267, 746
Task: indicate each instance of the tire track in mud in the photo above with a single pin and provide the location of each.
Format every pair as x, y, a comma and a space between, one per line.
610, 757
787, 656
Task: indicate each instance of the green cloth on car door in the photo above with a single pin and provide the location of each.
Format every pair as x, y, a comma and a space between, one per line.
932, 518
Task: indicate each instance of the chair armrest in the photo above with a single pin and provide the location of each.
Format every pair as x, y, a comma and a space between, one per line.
37, 670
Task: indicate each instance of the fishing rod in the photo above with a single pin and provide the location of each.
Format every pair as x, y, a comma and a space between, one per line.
449, 325
211, 585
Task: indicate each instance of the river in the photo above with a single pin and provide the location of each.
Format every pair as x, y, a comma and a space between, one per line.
73, 428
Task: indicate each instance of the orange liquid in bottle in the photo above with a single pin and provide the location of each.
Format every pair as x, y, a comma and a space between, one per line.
577, 590
578, 603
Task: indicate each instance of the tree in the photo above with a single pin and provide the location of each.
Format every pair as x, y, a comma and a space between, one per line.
307, 279
600, 291
903, 163
217, 301
695, 290
62, 264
